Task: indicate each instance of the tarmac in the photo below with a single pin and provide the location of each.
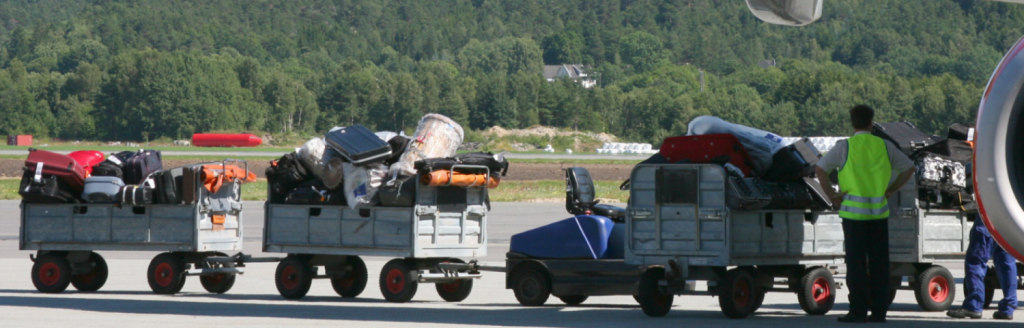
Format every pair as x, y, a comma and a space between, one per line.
126, 300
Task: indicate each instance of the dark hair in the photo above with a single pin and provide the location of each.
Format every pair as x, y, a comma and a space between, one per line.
861, 116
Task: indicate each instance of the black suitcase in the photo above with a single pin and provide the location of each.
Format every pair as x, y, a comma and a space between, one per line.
141, 165
284, 174
953, 149
133, 195
44, 189
168, 186
747, 194
314, 193
400, 193
793, 162
821, 200
790, 196
358, 145
398, 145
961, 131
904, 135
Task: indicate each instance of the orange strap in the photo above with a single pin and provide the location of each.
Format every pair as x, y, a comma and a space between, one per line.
214, 175
441, 177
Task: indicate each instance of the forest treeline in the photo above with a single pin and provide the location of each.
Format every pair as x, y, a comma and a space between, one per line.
147, 69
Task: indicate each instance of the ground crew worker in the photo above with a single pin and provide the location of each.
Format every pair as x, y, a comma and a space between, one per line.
866, 164
982, 248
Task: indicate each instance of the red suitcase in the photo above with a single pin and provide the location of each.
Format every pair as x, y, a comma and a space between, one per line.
87, 159
705, 148
62, 166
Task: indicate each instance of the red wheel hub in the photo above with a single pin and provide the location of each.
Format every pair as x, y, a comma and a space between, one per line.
938, 289
821, 291
290, 277
164, 274
49, 274
396, 281
451, 287
741, 293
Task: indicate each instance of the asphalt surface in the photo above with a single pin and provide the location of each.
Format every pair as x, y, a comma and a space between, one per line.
559, 156
126, 299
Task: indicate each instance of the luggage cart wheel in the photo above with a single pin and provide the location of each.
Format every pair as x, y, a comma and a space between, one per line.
396, 283
455, 291
737, 294
652, 300
354, 281
934, 288
991, 281
817, 291
531, 285
94, 280
293, 278
573, 300
218, 283
166, 274
51, 273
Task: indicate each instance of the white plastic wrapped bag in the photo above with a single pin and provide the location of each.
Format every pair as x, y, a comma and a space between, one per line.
312, 155
361, 183
761, 145
436, 136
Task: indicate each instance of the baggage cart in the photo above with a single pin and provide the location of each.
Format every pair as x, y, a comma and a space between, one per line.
427, 239
194, 238
679, 230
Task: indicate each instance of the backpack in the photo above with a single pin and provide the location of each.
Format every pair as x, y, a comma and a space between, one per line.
284, 174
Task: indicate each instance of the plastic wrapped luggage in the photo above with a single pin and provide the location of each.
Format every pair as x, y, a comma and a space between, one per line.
38, 188
793, 162
579, 237
358, 145
361, 184
61, 166
904, 135
709, 148
759, 144
141, 165
87, 159
437, 136
311, 154
101, 189
937, 172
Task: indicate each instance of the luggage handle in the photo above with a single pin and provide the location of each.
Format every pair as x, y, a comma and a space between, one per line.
38, 178
487, 173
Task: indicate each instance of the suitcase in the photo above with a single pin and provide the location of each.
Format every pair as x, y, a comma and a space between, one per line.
38, 188
133, 195
961, 131
62, 166
141, 165
793, 162
747, 194
708, 148
101, 189
191, 184
904, 135
954, 149
937, 172
398, 193
314, 193
284, 174
358, 145
168, 186
87, 159
113, 166
790, 196
821, 199
398, 145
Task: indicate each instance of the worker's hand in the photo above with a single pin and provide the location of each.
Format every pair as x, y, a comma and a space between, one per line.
837, 199
888, 193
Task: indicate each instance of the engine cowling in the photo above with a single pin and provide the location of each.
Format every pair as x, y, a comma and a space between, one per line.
999, 153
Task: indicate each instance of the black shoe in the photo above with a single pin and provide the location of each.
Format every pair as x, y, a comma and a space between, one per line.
852, 318
876, 318
963, 313
1002, 316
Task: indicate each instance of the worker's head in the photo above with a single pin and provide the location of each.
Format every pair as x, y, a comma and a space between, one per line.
862, 116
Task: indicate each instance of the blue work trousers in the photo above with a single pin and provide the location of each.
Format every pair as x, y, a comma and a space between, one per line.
981, 249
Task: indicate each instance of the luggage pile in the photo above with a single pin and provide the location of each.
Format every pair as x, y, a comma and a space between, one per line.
133, 178
356, 167
943, 165
763, 173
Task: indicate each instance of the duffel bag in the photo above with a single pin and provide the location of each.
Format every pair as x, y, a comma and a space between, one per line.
133, 195
284, 174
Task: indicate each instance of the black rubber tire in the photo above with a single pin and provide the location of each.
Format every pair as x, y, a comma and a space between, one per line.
94, 280
573, 300
531, 286
395, 282
293, 278
354, 281
220, 283
934, 289
166, 274
455, 291
759, 300
653, 301
51, 273
817, 293
737, 294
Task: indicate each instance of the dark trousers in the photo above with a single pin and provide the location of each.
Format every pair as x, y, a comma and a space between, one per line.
867, 265
982, 248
